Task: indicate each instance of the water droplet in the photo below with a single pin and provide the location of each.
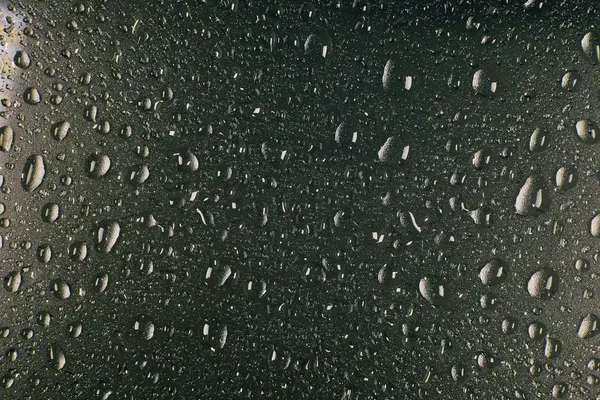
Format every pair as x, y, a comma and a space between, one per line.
50, 212
538, 140
591, 46
509, 325
595, 226
138, 174
61, 289
543, 283
101, 282
536, 330
32, 96
493, 272
533, 198
569, 80
393, 151
458, 372
581, 264
107, 235
432, 290
97, 165
483, 85
74, 330
60, 130
481, 158
588, 327
6, 138
586, 130
552, 348
12, 281
44, 253
78, 251
56, 358
187, 161
22, 59
566, 178
33, 173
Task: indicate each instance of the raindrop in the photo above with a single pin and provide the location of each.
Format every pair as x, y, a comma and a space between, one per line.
107, 235
50, 212
591, 46
97, 165
566, 178
33, 173
542, 284
12, 281
588, 326
483, 85
533, 198
493, 272
586, 130
32, 96
60, 130
22, 59
6, 138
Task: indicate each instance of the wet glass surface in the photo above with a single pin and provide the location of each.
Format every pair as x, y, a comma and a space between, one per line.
315, 200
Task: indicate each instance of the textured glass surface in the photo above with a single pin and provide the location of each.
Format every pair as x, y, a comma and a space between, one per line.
253, 199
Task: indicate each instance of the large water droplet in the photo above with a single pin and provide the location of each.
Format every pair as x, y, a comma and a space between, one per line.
591, 46
107, 235
493, 272
22, 59
588, 326
33, 173
97, 165
60, 130
543, 283
533, 198
32, 96
587, 131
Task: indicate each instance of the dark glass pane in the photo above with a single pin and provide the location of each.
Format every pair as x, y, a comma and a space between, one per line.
299, 200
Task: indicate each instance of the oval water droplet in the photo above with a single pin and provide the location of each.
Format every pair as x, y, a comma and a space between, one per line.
536, 330
32, 96
60, 130
432, 290
44, 253
34, 172
458, 372
509, 325
61, 289
97, 165
50, 212
595, 226
591, 46
138, 174
533, 198
538, 140
393, 151
566, 178
552, 348
12, 281
569, 80
493, 272
588, 326
6, 138
587, 131
543, 283
22, 59
107, 235
78, 251
101, 282
483, 85
187, 161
